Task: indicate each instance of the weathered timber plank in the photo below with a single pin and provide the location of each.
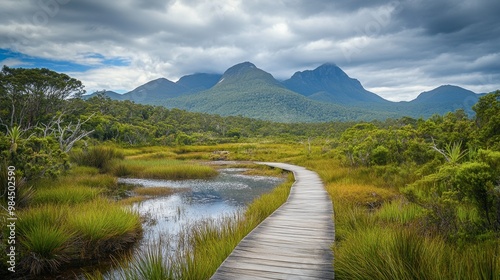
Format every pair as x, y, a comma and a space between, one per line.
294, 242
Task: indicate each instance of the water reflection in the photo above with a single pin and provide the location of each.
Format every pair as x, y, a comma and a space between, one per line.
221, 196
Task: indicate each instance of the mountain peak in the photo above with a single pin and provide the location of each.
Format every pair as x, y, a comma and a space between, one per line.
246, 72
329, 83
445, 93
330, 70
240, 67
198, 81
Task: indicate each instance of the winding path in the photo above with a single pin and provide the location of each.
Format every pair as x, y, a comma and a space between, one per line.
294, 242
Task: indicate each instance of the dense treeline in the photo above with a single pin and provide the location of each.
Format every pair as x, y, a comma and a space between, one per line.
449, 165
42, 117
137, 124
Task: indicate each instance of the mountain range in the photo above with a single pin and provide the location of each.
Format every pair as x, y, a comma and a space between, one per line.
326, 93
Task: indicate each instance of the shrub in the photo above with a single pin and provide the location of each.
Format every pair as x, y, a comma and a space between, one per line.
98, 156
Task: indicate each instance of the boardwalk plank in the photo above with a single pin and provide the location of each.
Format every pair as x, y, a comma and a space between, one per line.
294, 242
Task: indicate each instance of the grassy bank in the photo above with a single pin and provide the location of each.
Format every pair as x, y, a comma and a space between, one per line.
80, 217
205, 245
162, 169
381, 235
56, 234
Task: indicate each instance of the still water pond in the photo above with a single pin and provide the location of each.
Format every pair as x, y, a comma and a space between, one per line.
221, 196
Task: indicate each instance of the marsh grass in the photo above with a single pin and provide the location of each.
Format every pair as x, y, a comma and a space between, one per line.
46, 242
263, 170
52, 234
399, 211
131, 200
360, 194
99, 221
49, 246
205, 245
383, 254
163, 169
396, 253
349, 218
266, 204
156, 191
65, 194
194, 156
379, 234
153, 156
98, 156
149, 264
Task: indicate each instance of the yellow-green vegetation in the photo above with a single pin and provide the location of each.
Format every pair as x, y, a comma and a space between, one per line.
56, 234
262, 170
408, 194
155, 191
209, 243
98, 156
105, 225
162, 169
205, 245
65, 194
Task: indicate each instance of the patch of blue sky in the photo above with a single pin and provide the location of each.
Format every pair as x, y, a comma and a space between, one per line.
90, 61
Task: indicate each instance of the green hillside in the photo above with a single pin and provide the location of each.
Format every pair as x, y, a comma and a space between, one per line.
251, 92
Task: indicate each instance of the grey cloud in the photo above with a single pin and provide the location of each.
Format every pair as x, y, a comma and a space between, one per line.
431, 41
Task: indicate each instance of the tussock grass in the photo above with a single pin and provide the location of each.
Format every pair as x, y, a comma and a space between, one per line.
65, 195
350, 217
194, 149
80, 170
384, 254
99, 221
52, 234
206, 244
50, 214
49, 247
46, 242
395, 253
267, 203
263, 170
179, 172
360, 194
98, 156
150, 264
163, 169
194, 156
154, 155
399, 211
82, 176
131, 200
155, 191
210, 242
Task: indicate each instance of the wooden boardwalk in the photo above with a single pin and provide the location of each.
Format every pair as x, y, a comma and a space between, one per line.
294, 242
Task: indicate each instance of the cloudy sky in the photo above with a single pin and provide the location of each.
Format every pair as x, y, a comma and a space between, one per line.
397, 49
